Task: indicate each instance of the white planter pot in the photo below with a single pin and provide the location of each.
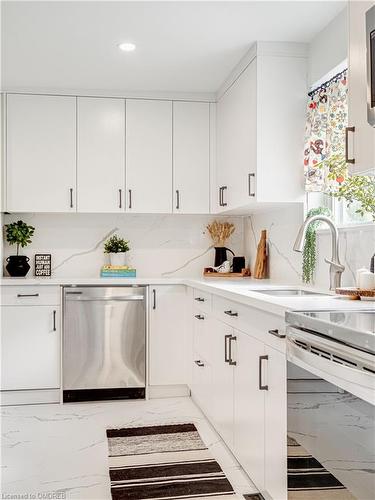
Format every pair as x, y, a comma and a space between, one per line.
117, 259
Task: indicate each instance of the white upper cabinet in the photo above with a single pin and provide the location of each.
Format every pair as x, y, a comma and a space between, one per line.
361, 142
100, 154
260, 126
236, 142
191, 157
41, 153
149, 156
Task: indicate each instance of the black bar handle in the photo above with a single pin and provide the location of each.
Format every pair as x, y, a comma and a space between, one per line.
120, 198
251, 192
199, 316
130, 198
277, 334
226, 355
220, 197
154, 298
347, 130
199, 363
199, 299
27, 294
231, 313
223, 203
231, 362
262, 387
54, 321
71, 197
178, 199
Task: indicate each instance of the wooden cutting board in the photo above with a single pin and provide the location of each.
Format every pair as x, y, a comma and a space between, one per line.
260, 268
356, 293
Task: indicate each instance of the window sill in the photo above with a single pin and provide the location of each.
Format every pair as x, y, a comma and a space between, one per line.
359, 226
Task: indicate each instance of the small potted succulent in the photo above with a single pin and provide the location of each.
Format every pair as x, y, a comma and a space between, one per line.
18, 233
116, 247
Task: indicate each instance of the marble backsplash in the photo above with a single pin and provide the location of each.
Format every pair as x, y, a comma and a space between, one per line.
357, 245
161, 245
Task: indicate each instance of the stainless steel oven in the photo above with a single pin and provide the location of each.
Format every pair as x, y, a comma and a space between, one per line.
370, 41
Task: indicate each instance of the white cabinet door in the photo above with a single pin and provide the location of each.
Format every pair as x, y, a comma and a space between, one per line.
191, 157
276, 425
362, 147
100, 154
149, 156
30, 348
222, 381
168, 339
249, 407
236, 141
41, 153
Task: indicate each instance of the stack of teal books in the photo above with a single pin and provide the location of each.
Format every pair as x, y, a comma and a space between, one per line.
117, 272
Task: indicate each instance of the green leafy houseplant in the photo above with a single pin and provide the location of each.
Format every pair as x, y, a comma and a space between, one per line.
351, 188
309, 247
115, 244
19, 233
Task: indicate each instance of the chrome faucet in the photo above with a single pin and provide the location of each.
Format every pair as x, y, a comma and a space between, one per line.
336, 268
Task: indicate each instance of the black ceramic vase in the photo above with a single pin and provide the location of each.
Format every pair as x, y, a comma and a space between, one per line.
18, 265
221, 255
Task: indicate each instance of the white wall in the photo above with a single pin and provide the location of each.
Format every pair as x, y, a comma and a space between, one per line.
161, 245
357, 245
329, 47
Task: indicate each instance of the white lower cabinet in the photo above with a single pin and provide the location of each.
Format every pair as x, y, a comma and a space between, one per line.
223, 381
239, 381
167, 335
249, 407
30, 348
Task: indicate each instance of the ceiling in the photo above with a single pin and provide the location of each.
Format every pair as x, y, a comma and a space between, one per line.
181, 46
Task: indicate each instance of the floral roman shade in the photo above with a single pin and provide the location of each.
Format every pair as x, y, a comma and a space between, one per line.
327, 116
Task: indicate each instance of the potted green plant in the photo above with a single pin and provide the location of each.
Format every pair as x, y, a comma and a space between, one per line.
116, 247
18, 233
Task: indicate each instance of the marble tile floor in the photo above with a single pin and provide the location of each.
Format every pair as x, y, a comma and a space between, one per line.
338, 430
63, 448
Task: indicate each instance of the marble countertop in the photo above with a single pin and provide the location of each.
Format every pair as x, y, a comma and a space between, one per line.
242, 290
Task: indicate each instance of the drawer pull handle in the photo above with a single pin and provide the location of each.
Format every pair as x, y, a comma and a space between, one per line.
27, 294
262, 387
199, 299
226, 355
277, 334
199, 363
231, 313
231, 362
347, 130
54, 321
199, 316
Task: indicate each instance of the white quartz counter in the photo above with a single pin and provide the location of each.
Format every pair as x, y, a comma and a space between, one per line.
242, 290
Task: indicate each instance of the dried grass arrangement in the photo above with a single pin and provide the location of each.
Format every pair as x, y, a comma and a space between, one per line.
220, 232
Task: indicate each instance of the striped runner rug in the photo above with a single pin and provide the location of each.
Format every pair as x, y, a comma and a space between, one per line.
309, 480
163, 462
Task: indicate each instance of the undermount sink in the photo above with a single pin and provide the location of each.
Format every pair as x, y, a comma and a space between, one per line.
287, 292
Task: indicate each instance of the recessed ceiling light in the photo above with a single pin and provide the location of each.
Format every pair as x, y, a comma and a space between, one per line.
127, 47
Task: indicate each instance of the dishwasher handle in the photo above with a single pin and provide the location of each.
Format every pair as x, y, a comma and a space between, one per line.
130, 298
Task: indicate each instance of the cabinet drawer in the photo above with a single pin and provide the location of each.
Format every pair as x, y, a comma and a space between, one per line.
202, 300
39, 295
252, 321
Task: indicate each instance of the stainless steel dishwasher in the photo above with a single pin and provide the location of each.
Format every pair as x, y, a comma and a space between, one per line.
104, 343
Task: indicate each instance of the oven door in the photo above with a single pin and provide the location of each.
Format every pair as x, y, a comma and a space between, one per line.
370, 42
341, 365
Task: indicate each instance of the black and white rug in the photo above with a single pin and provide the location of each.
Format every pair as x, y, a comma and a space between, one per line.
163, 462
309, 480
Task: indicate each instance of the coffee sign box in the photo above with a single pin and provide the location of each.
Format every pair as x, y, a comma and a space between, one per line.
42, 265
